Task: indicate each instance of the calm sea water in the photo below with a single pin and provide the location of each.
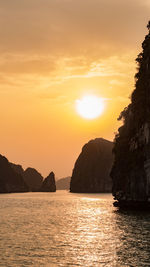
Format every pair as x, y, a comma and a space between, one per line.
64, 229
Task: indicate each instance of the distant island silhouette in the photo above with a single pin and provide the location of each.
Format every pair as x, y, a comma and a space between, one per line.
90, 174
13, 179
63, 183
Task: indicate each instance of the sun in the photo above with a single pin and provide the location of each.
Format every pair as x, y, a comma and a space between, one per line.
90, 106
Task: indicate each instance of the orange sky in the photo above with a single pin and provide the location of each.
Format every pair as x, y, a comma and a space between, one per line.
53, 52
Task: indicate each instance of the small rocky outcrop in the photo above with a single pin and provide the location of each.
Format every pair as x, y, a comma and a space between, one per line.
131, 169
33, 179
48, 184
10, 180
92, 168
63, 183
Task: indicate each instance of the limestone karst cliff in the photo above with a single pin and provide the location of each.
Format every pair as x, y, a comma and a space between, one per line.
131, 169
10, 181
33, 179
92, 168
14, 179
17, 168
48, 184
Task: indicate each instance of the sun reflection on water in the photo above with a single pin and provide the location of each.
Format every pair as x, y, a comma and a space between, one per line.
63, 229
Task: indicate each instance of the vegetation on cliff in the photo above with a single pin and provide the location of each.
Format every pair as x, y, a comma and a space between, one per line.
131, 169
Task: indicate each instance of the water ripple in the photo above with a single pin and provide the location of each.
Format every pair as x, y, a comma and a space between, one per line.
63, 229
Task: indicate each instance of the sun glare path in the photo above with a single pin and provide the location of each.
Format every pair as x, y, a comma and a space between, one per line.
90, 106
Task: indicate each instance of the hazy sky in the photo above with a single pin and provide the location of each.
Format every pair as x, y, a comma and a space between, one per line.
52, 52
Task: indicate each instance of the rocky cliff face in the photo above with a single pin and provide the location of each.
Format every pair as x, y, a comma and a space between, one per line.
48, 184
92, 168
14, 179
17, 168
131, 169
33, 179
10, 181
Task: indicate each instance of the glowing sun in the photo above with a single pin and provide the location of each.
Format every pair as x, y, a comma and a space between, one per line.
90, 106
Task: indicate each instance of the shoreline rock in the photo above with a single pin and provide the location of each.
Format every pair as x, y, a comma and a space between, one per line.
132, 205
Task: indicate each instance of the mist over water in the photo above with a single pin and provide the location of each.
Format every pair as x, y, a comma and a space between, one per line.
64, 229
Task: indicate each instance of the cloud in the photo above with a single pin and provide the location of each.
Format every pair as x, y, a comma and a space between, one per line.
18, 73
116, 82
71, 27
48, 44
22, 63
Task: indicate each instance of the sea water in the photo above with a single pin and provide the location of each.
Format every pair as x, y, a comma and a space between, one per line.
65, 229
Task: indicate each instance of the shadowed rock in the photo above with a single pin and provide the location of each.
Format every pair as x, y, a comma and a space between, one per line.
10, 181
33, 179
131, 169
17, 168
92, 168
48, 184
